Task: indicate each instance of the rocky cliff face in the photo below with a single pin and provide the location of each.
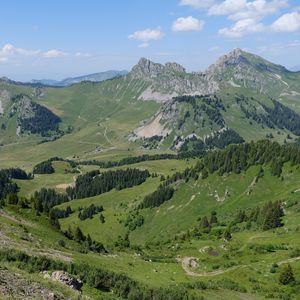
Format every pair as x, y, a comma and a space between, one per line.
242, 69
170, 80
235, 69
146, 69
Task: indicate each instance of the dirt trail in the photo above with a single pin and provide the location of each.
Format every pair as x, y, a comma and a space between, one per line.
251, 186
64, 186
185, 262
105, 134
288, 261
14, 218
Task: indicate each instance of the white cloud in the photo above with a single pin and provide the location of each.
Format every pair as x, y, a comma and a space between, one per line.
289, 22
147, 35
228, 7
259, 9
197, 3
187, 24
9, 50
11, 54
248, 15
53, 53
241, 28
242, 9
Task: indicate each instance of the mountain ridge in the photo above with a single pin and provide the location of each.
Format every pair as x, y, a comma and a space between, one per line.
163, 107
94, 77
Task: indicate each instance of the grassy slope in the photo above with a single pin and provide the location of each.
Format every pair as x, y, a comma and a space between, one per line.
103, 114
178, 214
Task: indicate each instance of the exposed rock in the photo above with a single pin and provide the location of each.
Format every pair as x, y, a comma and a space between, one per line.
236, 69
166, 83
67, 279
146, 69
175, 67
14, 286
4, 99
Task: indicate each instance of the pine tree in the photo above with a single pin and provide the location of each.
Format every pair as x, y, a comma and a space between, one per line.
78, 235
213, 218
204, 174
287, 275
204, 222
241, 216
102, 218
227, 235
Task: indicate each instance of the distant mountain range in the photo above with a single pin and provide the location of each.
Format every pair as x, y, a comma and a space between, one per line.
95, 77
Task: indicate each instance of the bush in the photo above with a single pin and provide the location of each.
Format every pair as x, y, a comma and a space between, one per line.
44, 167
61, 243
287, 275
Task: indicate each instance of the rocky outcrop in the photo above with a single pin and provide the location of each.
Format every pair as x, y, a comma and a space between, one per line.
170, 80
174, 67
67, 279
4, 99
14, 286
146, 69
236, 69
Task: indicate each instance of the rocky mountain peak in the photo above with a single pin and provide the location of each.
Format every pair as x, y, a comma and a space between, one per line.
173, 66
146, 68
235, 57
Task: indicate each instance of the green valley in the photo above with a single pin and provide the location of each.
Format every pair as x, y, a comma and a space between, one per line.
159, 184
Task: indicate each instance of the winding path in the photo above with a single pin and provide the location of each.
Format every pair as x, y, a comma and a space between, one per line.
185, 263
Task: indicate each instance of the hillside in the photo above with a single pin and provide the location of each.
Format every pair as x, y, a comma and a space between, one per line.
145, 110
212, 239
159, 184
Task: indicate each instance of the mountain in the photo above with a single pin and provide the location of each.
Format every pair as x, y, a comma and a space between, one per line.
235, 69
240, 90
95, 77
162, 107
160, 184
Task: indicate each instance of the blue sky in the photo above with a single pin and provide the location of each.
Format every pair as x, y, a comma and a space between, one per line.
56, 39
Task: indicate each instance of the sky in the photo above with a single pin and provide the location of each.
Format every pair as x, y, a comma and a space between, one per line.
58, 39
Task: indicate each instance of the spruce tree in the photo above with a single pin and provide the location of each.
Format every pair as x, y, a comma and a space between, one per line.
287, 275
78, 235
213, 218
204, 222
102, 218
227, 235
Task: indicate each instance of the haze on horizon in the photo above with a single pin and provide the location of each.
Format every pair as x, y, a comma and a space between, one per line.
58, 40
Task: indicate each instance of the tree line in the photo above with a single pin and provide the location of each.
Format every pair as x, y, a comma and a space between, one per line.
266, 217
44, 167
89, 212
158, 197
95, 183
7, 186
42, 122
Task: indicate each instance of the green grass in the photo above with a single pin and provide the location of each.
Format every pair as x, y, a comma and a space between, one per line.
158, 266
